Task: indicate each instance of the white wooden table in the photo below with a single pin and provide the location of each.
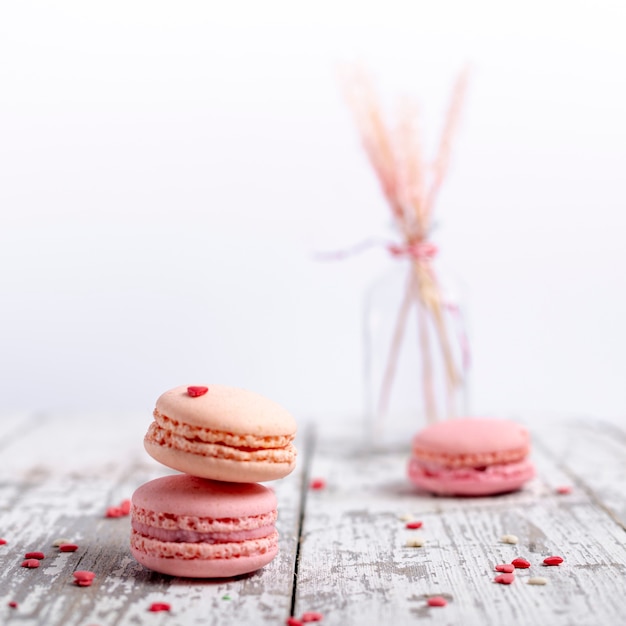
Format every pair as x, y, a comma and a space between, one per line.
342, 550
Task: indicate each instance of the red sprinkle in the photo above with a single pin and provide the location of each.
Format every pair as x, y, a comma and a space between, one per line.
564, 489
318, 483
437, 601
520, 563
114, 511
2, 542
30, 563
68, 547
414, 526
311, 616
83, 577
194, 391
507, 568
553, 560
293, 621
13, 604
505, 579
35, 555
155, 607
125, 507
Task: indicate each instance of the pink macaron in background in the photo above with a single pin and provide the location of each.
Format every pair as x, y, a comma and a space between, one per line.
199, 528
471, 456
223, 433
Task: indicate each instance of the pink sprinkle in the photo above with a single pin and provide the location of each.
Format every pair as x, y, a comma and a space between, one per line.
155, 607
68, 547
564, 489
318, 483
507, 568
311, 616
505, 579
194, 391
437, 601
125, 507
414, 526
114, 511
520, 563
553, 560
13, 604
35, 555
30, 563
2, 542
84, 575
293, 621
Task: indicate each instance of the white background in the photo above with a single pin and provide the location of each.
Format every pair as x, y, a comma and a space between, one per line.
169, 169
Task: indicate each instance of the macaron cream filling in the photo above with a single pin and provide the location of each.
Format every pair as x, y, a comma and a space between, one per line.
165, 431
192, 536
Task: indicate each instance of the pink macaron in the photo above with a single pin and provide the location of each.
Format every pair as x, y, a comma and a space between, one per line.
223, 433
194, 527
471, 457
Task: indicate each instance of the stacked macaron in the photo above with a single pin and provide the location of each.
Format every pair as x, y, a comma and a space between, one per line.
471, 456
214, 519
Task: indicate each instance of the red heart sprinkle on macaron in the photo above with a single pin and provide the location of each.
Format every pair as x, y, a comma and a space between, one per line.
505, 579
437, 601
83, 576
311, 616
68, 547
520, 563
414, 526
31, 563
194, 391
507, 568
155, 607
35, 555
553, 560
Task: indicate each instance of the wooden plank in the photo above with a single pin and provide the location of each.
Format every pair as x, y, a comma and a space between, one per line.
591, 455
355, 567
59, 483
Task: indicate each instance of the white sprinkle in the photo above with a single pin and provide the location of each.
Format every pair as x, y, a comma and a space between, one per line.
57, 542
537, 580
415, 542
509, 539
406, 517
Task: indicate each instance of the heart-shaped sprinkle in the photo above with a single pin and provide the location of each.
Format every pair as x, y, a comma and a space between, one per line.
194, 391
35, 555
506, 568
68, 547
437, 601
155, 607
505, 579
553, 560
83, 575
31, 563
413, 525
520, 563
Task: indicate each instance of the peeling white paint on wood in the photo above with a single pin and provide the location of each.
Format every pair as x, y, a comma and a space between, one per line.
59, 474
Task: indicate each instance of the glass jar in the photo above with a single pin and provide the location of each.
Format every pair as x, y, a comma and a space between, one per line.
416, 352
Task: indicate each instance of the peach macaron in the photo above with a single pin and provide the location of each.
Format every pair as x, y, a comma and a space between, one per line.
198, 528
222, 433
471, 456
